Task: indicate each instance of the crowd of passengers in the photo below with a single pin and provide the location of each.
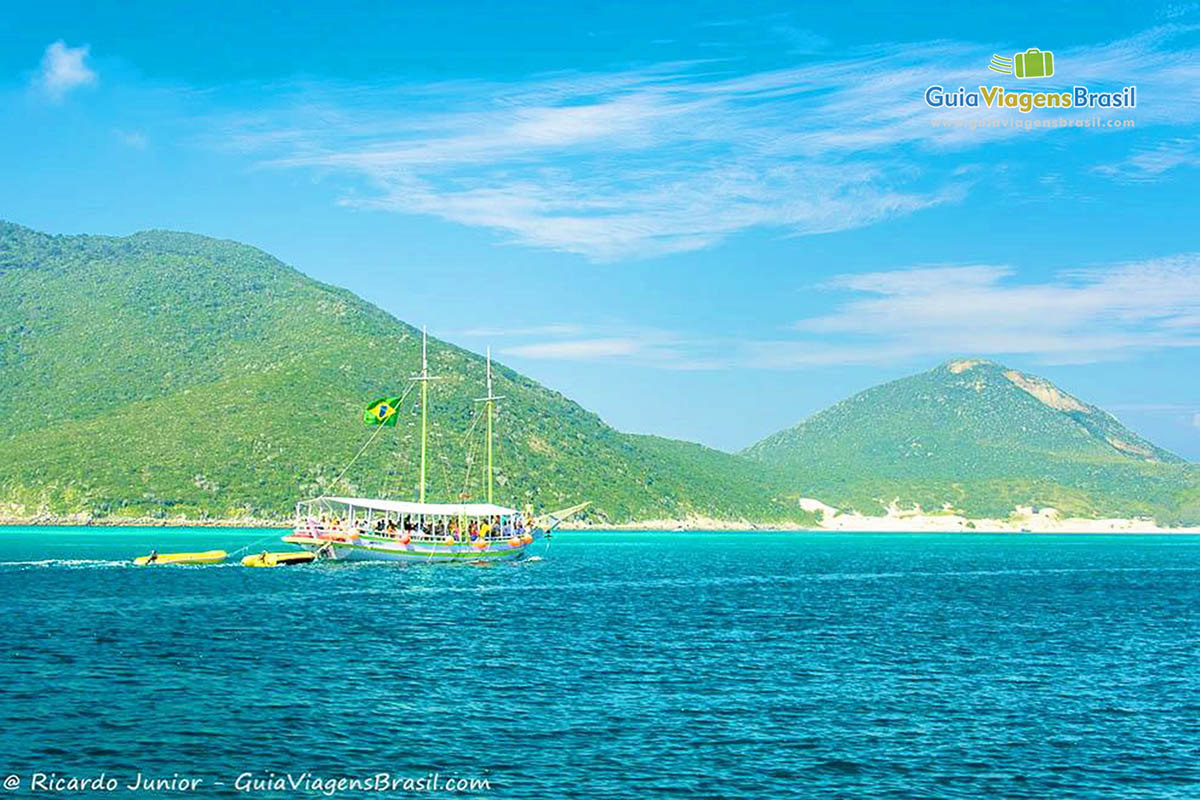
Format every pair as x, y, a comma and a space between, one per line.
487, 527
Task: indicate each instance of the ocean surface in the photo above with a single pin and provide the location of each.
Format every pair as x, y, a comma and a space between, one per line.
617, 665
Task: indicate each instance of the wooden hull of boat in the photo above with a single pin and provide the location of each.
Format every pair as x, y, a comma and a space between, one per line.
424, 552
206, 557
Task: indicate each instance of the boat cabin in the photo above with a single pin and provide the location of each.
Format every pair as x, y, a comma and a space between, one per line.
368, 518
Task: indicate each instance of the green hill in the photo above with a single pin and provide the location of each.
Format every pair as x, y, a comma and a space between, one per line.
982, 439
167, 374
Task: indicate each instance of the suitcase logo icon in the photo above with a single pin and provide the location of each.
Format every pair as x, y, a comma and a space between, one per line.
1033, 63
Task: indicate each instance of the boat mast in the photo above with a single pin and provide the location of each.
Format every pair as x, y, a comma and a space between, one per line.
424, 379
490, 404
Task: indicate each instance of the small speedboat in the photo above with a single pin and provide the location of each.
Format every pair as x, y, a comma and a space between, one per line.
278, 559
206, 557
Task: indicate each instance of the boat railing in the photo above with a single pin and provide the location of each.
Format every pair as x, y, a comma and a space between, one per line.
317, 529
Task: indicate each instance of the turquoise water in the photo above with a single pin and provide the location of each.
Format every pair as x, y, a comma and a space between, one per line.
623, 664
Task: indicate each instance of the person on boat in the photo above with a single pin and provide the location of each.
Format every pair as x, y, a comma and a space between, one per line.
150, 559
391, 528
485, 529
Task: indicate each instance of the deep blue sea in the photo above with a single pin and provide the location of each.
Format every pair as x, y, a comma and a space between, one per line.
618, 665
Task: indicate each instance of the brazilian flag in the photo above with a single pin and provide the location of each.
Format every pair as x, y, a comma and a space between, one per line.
382, 412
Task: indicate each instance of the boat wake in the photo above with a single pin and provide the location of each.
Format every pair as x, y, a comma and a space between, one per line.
70, 563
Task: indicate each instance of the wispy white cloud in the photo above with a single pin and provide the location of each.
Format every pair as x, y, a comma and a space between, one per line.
1078, 316
1083, 315
135, 139
1165, 408
679, 156
629, 343
1177, 10
578, 349
63, 70
555, 329
800, 40
1196, 419
1149, 164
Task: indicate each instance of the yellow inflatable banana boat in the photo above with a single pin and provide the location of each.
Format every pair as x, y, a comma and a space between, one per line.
278, 559
206, 557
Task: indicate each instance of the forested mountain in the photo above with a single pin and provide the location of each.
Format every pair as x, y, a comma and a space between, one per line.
167, 374
980, 438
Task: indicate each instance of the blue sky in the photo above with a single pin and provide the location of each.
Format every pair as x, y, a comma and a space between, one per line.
702, 220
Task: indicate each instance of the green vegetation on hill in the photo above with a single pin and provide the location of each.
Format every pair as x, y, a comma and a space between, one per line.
167, 374
981, 439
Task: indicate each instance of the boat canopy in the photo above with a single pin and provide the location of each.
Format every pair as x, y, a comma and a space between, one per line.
421, 509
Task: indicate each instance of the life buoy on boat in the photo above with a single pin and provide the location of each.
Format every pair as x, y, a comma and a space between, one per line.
405, 539
514, 542
449, 540
527, 538
480, 544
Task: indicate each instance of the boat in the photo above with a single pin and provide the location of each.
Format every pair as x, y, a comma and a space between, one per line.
374, 529
205, 557
265, 559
